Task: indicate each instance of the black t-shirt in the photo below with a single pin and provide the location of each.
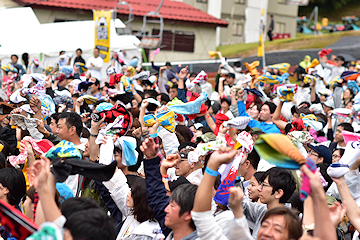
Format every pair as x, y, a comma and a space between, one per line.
79, 59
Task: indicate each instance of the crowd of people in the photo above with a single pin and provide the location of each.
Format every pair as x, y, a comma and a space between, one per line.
167, 156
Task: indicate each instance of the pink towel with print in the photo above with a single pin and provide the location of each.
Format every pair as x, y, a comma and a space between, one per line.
40, 147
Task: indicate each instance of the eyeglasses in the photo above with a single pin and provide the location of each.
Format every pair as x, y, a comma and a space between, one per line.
312, 153
263, 184
336, 156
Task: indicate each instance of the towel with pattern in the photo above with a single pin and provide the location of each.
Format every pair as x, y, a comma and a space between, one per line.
277, 149
166, 119
64, 149
193, 107
40, 147
228, 171
238, 122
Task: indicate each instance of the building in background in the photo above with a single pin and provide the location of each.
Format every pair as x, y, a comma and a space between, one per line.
189, 33
234, 12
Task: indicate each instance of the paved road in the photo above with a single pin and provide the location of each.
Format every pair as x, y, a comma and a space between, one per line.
346, 45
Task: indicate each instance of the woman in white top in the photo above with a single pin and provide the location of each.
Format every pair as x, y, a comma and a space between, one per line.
140, 223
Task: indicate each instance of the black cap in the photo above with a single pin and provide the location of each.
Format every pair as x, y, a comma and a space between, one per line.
341, 58
323, 151
168, 64
226, 100
215, 105
232, 75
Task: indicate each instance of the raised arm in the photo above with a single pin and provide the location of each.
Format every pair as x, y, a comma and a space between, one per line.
155, 189
353, 210
324, 229
276, 117
93, 147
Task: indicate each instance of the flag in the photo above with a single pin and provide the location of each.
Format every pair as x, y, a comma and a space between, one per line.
260, 52
102, 33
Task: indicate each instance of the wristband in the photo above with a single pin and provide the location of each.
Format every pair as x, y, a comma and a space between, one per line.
165, 176
211, 172
135, 92
93, 135
208, 116
153, 135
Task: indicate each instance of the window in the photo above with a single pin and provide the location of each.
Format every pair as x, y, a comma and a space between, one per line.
280, 27
201, 1
237, 29
177, 40
240, 1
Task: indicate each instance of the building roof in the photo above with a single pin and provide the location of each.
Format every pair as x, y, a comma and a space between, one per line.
171, 10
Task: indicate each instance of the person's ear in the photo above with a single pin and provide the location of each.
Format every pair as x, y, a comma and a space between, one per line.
279, 193
187, 216
6, 190
192, 165
72, 130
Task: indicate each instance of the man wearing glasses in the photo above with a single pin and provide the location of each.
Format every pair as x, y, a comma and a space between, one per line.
276, 187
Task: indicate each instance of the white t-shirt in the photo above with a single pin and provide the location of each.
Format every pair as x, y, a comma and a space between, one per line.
94, 65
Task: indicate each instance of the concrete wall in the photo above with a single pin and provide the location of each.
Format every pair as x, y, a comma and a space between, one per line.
283, 15
234, 13
204, 41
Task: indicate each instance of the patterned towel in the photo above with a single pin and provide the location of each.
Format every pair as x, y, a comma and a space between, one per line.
40, 147
63, 149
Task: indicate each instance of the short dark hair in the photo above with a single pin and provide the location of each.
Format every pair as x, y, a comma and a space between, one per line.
79, 49
271, 105
97, 48
13, 180
174, 86
62, 51
72, 119
142, 211
85, 225
76, 204
254, 159
347, 127
281, 179
259, 176
14, 55
292, 220
184, 196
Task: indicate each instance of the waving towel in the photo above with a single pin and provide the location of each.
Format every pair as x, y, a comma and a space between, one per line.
203, 149
350, 136
62, 168
40, 147
284, 67
29, 124
63, 149
351, 154
238, 122
128, 146
277, 149
286, 92
166, 119
200, 78
273, 79
254, 91
228, 171
191, 107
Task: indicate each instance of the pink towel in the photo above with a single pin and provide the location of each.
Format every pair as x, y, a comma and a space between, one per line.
40, 147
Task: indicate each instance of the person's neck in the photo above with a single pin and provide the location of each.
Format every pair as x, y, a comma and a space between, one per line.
342, 144
249, 174
75, 140
96, 92
182, 231
274, 204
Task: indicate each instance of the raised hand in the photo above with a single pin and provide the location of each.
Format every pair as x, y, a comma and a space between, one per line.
235, 201
183, 72
223, 155
149, 148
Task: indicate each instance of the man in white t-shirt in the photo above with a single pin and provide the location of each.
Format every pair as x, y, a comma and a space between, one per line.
94, 64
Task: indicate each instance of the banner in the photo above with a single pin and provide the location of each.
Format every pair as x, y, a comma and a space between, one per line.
260, 52
102, 33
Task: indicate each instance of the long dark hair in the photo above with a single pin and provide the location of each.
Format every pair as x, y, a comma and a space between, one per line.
25, 58
142, 211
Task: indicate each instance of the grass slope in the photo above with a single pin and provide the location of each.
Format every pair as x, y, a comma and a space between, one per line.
301, 41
